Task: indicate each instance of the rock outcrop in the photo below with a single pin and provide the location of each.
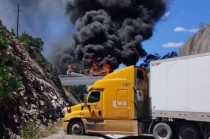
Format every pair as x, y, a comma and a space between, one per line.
40, 97
198, 43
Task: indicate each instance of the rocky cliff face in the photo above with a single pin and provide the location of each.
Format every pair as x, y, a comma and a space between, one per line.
199, 43
40, 97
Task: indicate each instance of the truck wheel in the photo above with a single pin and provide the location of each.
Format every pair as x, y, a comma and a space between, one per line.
76, 128
162, 131
189, 132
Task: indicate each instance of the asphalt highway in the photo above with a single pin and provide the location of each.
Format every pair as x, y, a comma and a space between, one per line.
63, 135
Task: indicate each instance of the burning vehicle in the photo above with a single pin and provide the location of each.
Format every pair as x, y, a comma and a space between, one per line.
95, 70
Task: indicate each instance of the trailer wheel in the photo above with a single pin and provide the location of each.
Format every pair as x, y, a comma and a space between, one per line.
189, 132
208, 136
76, 128
162, 131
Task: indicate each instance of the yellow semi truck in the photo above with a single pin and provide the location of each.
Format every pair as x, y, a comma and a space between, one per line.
171, 100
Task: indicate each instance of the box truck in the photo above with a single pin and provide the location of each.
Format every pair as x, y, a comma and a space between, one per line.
170, 100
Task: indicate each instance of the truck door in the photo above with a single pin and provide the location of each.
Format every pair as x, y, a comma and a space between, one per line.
95, 106
92, 112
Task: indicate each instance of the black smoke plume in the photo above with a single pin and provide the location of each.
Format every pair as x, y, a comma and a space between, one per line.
110, 31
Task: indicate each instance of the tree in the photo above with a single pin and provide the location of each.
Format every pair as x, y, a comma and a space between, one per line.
9, 82
148, 59
202, 25
151, 57
30, 41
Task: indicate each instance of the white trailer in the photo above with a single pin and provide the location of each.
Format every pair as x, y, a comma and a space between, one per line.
180, 97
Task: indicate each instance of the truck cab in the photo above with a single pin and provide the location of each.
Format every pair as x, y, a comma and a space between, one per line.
113, 105
177, 104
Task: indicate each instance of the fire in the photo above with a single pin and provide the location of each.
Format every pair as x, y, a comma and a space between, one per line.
107, 68
97, 71
94, 70
94, 64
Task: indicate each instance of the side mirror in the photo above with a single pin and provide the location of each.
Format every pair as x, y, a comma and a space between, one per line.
85, 98
82, 106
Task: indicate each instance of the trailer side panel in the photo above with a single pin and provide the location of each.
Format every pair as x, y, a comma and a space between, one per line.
181, 85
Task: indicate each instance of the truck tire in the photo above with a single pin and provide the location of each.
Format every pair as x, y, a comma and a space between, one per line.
162, 131
208, 136
188, 131
76, 128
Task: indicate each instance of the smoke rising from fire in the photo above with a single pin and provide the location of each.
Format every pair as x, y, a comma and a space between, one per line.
110, 31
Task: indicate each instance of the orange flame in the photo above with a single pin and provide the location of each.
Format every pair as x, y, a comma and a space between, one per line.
97, 71
94, 64
107, 68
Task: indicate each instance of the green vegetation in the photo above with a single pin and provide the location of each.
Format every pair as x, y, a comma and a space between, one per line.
9, 82
150, 57
30, 41
31, 131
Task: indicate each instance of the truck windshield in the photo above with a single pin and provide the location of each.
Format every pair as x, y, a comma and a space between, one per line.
94, 97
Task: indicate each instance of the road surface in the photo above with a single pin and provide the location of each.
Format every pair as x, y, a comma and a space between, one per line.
62, 135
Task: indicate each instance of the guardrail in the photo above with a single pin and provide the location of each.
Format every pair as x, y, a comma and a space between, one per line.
86, 80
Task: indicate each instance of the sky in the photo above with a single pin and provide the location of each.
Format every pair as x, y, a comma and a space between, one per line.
44, 19
181, 20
